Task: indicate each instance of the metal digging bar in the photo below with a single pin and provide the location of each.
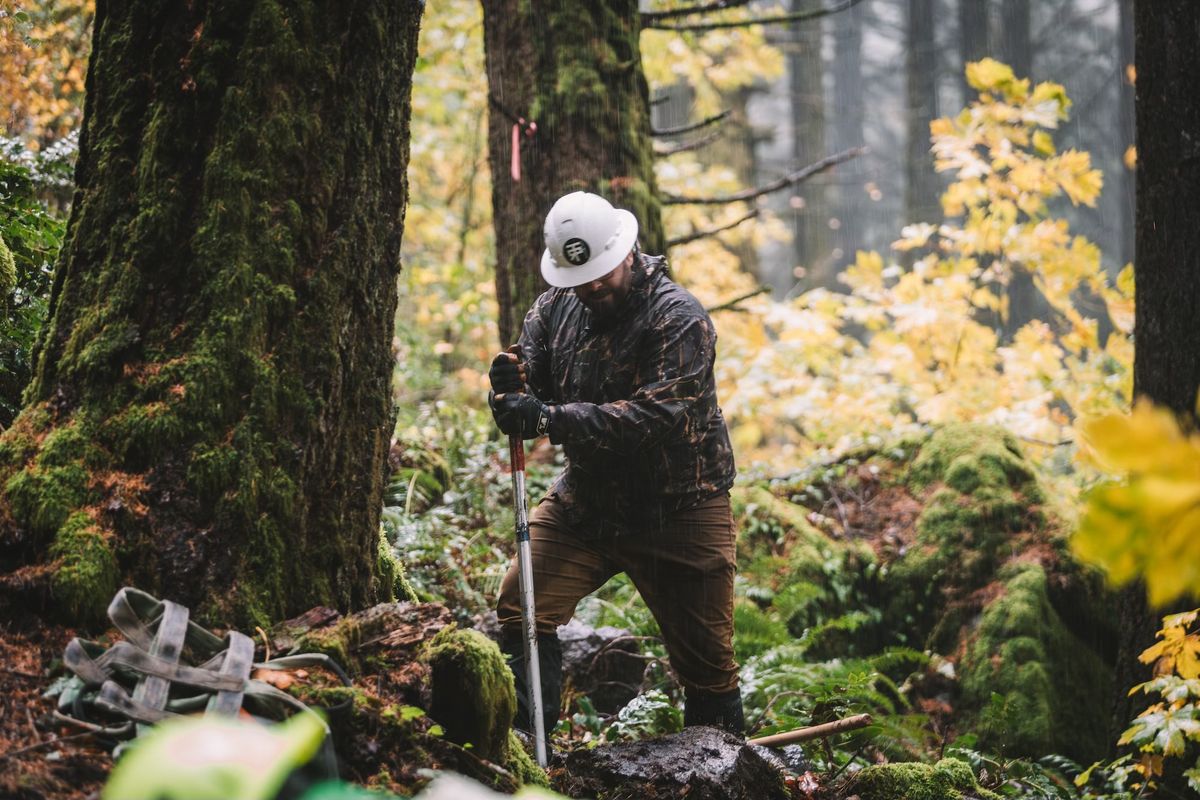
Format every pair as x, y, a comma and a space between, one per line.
516, 461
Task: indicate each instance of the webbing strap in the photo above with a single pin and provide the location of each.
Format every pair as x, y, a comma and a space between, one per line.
152, 690
239, 659
115, 699
125, 659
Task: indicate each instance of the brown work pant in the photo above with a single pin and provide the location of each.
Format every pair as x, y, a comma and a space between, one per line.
684, 572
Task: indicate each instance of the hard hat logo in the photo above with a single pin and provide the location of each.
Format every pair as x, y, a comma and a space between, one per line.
577, 251
586, 238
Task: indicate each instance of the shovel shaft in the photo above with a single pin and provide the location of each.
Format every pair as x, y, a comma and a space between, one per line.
516, 453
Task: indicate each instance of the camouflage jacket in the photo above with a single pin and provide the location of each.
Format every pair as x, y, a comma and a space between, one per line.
635, 403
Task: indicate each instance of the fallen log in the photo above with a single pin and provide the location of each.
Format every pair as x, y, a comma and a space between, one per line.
813, 731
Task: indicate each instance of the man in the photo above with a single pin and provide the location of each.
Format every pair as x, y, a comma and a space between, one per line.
616, 365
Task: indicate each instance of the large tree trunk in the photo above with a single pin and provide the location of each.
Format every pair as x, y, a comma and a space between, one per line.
810, 227
848, 130
211, 410
1167, 264
575, 70
1025, 302
972, 40
1016, 44
921, 190
1127, 181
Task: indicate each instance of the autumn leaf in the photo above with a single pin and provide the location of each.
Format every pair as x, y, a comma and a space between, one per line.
1148, 524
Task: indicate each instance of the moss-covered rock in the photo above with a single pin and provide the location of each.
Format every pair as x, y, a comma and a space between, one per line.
1037, 686
952, 546
948, 779
473, 693
982, 504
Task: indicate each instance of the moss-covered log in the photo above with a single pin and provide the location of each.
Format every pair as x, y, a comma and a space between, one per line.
574, 69
211, 409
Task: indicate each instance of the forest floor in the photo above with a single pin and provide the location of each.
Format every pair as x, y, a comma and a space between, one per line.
39, 755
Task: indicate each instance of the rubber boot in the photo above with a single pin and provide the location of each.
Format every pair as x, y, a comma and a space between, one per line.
718, 710
550, 664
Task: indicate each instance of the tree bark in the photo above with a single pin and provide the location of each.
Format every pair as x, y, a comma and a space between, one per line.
810, 228
1016, 45
575, 70
1127, 183
1166, 268
211, 409
849, 130
1016, 48
972, 40
921, 190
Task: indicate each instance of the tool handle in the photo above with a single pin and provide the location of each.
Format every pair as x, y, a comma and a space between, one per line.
814, 732
516, 454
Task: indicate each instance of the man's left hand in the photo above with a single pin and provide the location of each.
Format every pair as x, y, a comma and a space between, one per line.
521, 415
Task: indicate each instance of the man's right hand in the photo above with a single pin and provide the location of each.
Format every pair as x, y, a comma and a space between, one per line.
507, 374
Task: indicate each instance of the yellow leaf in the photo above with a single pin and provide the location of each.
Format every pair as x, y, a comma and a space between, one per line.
1043, 143
990, 75
1130, 157
1133, 442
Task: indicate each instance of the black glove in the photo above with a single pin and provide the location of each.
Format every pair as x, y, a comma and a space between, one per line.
507, 374
521, 415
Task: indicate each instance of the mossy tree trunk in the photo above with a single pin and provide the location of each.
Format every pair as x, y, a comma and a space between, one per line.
212, 406
574, 69
1167, 265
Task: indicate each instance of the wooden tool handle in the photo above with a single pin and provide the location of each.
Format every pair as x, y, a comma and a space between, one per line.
813, 732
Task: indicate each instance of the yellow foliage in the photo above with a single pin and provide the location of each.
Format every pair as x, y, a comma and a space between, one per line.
43, 58
1179, 650
1147, 525
990, 75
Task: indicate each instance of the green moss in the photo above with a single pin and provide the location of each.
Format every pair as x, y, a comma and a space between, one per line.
949, 779
336, 641
42, 499
1039, 688
967, 456
142, 432
981, 494
87, 575
522, 765
19, 442
392, 576
473, 693
8, 268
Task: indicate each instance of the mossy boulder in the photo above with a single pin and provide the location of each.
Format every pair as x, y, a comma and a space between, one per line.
948, 779
951, 544
989, 580
1037, 685
473, 694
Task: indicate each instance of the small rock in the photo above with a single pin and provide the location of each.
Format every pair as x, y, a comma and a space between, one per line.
603, 663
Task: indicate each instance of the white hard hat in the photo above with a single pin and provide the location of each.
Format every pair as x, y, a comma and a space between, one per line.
586, 238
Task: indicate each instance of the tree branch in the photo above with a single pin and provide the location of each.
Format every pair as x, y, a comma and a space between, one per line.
798, 176
730, 305
691, 237
798, 16
693, 126
695, 144
649, 17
